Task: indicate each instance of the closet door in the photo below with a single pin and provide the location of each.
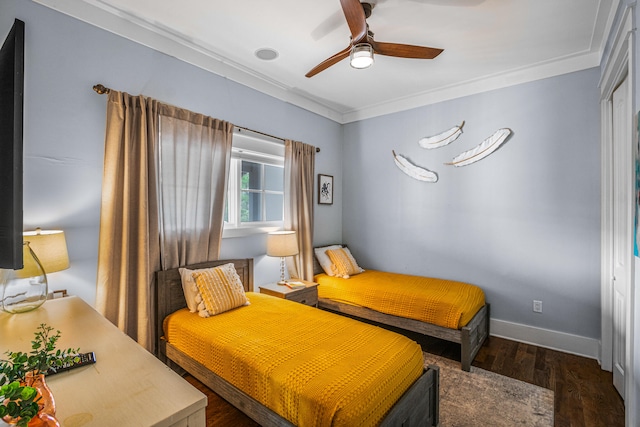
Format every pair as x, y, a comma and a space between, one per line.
623, 208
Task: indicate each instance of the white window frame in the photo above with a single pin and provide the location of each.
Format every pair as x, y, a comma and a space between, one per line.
256, 148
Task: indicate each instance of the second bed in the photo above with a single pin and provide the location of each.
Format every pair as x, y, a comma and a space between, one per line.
445, 309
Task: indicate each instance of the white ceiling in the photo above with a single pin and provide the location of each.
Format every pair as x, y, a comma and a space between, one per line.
487, 44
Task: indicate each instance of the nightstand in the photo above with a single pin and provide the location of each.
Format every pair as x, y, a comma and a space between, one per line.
306, 295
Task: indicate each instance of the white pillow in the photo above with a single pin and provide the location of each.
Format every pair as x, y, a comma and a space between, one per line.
323, 258
189, 286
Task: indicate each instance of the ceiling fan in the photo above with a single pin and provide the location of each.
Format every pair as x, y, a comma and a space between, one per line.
363, 46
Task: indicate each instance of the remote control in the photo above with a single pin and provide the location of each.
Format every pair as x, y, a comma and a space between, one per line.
85, 359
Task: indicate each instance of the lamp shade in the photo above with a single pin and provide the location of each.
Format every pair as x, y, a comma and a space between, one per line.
361, 55
282, 243
50, 247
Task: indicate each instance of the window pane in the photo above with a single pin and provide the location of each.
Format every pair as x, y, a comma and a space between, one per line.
251, 176
274, 207
251, 207
273, 178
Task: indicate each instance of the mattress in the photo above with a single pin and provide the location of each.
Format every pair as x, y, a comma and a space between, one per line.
439, 302
312, 367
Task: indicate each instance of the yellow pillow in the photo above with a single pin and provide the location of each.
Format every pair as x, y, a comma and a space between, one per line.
189, 287
323, 258
219, 289
344, 265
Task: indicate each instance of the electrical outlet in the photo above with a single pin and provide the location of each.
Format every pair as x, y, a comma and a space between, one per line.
537, 306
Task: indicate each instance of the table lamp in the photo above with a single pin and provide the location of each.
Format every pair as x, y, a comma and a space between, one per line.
282, 244
44, 252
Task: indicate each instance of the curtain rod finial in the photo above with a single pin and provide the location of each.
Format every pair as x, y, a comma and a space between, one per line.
100, 89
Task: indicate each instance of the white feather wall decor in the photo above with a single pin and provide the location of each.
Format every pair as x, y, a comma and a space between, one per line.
485, 148
412, 170
441, 139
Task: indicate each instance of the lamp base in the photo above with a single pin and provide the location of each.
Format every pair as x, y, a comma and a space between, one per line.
25, 289
282, 282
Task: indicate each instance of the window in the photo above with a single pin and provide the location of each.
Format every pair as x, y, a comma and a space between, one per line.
255, 199
261, 192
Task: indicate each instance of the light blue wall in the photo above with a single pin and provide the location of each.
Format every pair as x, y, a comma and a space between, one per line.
524, 223
65, 119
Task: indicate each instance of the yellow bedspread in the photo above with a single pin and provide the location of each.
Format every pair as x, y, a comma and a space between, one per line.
436, 301
312, 367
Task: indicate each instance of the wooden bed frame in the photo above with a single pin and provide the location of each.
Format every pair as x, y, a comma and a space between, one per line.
419, 406
470, 337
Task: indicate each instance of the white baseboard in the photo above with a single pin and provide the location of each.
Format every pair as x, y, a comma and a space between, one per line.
554, 340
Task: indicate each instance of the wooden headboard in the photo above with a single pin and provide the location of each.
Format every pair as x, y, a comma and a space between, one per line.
170, 297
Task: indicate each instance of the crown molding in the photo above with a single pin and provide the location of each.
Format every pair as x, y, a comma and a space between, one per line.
484, 84
162, 39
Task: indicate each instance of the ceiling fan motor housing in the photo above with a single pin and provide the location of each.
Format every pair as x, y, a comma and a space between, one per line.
367, 7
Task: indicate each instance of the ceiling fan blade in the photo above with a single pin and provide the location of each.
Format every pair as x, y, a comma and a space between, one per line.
356, 19
405, 50
329, 62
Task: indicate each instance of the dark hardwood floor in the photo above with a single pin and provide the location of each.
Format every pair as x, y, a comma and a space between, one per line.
584, 394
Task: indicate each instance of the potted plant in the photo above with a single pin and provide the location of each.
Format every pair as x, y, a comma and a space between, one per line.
22, 372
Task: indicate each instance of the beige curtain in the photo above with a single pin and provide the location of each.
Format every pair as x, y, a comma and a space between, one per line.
299, 170
128, 252
195, 153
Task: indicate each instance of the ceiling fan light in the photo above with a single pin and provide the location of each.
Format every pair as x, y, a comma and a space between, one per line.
361, 56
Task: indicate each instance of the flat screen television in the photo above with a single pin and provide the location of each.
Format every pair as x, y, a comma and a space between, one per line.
11, 115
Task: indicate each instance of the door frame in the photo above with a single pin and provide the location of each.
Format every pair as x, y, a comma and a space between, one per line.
619, 64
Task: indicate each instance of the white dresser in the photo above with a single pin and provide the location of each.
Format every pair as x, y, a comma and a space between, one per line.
127, 386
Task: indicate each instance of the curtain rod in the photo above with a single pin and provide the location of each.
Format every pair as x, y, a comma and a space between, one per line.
101, 90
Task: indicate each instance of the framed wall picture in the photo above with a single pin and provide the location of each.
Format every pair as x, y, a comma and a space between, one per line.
325, 189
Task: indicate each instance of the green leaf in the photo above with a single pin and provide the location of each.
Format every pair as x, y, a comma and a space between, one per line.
30, 411
13, 387
28, 393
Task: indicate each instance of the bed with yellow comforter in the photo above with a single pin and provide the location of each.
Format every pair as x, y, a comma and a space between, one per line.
446, 309
440, 302
306, 366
